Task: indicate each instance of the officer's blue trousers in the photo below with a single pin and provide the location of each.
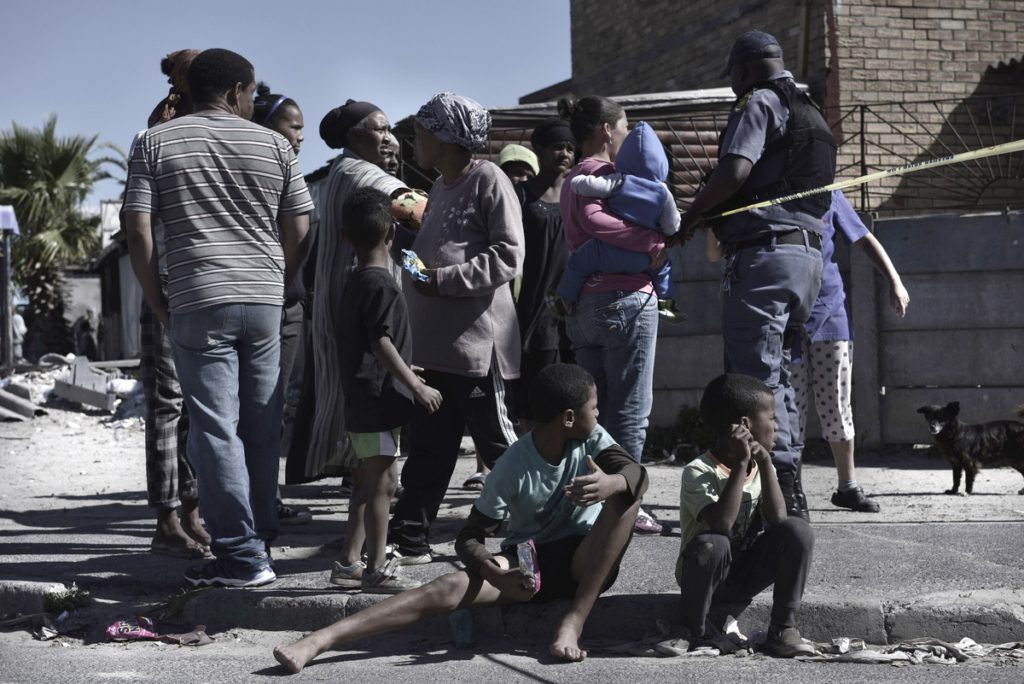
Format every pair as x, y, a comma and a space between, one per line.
767, 290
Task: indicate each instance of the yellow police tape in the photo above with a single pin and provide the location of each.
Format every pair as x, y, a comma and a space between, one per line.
1005, 148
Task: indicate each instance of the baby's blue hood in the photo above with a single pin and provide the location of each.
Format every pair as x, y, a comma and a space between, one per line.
642, 154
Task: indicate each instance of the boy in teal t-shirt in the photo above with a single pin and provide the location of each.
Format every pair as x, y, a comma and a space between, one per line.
565, 485
737, 539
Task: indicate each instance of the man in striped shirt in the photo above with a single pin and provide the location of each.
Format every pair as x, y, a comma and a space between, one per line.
234, 207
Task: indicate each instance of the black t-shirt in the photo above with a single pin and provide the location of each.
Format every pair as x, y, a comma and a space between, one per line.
372, 306
546, 254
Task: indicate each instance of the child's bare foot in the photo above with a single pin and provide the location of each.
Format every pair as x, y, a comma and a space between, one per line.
294, 657
566, 644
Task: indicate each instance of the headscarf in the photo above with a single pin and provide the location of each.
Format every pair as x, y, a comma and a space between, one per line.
551, 132
178, 101
456, 119
336, 124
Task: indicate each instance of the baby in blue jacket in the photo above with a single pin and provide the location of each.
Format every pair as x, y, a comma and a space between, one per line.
637, 193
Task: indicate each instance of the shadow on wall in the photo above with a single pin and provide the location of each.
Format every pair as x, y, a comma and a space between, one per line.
993, 114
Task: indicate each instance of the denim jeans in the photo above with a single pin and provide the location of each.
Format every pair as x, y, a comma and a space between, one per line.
768, 294
228, 362
613, 336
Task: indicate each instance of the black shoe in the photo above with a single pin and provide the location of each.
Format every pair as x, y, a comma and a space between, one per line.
793, 494
855, 500
786, 643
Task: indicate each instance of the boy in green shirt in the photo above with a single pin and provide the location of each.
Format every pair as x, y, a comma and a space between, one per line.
736, 537
567, 486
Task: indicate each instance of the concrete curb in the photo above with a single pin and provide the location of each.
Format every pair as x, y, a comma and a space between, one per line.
22, 597
987, 617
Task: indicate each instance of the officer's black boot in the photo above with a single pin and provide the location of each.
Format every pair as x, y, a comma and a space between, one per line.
793, 493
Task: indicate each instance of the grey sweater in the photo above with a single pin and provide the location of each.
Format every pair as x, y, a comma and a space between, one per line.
472, 234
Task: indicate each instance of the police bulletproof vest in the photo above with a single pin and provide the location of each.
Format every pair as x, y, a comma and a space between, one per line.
809, 151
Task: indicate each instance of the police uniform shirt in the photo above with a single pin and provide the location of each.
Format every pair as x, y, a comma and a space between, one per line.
758, 119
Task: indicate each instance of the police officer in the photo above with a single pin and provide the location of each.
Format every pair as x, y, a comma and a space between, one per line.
776, 143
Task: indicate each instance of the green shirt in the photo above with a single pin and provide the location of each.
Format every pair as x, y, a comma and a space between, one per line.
703, 482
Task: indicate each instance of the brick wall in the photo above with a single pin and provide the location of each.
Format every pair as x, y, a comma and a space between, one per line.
892, 58
914, 63
621, 48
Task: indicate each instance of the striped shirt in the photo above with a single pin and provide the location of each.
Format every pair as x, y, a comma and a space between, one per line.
218, 184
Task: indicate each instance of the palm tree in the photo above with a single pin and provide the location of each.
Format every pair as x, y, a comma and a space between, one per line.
47, 178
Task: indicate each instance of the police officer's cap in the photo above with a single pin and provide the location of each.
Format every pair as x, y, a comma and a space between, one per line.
750, 46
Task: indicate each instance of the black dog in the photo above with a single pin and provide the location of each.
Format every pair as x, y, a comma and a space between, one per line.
969, 447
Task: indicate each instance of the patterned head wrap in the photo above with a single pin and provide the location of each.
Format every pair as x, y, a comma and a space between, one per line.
456, 119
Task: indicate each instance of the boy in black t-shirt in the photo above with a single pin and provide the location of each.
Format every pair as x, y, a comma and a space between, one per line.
379, 385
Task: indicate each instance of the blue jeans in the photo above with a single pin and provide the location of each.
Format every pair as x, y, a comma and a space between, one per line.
768, 294
594, 256
613, 336
228, 362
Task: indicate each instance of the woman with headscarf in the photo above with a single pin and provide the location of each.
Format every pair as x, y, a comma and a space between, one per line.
466, 337
361, 130
170, 480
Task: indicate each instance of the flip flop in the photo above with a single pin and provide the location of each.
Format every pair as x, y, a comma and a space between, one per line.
190, 550
475, 482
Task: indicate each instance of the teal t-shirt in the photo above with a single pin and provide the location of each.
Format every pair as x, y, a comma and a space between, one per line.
529, 491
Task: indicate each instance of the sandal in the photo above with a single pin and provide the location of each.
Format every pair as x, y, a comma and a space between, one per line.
475, 482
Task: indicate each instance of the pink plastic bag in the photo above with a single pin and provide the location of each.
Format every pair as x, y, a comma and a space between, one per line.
132, 629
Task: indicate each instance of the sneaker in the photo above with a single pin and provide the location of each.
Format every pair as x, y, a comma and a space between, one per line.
855, 500
667, 309
387, 579
286, 515
348, 576
786, 643
215, 574
408, 557
646, 523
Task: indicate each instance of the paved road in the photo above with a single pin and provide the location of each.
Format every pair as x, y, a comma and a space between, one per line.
246, 657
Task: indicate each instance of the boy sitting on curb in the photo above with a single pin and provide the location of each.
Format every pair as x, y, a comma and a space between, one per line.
736, 538
565, 485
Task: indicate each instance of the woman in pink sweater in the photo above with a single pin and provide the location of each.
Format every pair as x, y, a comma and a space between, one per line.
614, 324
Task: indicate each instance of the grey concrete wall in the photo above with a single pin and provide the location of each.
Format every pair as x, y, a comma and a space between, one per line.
962, 338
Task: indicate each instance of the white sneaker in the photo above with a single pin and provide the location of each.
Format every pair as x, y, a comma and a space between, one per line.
348, 576
387, 579
408, 559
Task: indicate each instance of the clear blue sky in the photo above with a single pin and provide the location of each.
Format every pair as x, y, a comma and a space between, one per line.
96, 64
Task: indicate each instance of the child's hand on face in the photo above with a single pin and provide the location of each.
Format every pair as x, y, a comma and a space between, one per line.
740, 441
761, 456
587, 490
